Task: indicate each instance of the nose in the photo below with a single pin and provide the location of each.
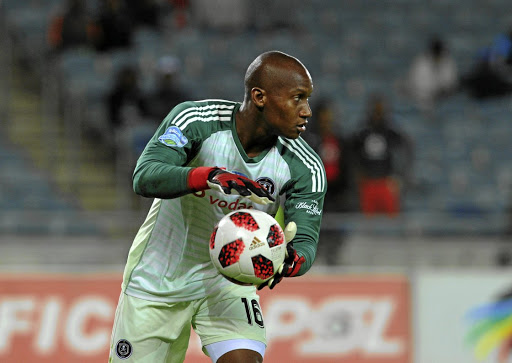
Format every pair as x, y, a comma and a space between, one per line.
306, 111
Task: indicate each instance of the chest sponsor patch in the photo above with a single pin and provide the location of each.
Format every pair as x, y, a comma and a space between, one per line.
173, 137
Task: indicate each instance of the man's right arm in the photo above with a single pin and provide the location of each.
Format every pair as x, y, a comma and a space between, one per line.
157, 179
160, 174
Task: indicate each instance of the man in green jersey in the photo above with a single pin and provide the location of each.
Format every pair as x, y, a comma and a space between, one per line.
206, 159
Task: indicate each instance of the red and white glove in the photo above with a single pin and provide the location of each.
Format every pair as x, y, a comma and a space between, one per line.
228, 183
292, 261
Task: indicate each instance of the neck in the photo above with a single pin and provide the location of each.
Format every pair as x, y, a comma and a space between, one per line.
252, 134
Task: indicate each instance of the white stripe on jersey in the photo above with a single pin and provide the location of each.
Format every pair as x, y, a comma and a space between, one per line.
215, 100
310, 160
184, 124
182, 120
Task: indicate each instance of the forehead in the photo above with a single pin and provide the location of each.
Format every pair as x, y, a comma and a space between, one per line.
304, 81
290, 79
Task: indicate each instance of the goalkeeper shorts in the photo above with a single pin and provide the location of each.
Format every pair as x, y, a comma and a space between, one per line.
149, 331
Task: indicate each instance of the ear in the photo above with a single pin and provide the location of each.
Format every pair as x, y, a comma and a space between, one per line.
258, 96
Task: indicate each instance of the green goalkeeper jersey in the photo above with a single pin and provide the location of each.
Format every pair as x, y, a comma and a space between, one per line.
169, 259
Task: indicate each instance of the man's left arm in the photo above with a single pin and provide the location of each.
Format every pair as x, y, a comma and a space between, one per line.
306, 211
303, 218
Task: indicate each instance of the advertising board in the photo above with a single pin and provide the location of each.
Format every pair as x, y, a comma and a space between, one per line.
356, 319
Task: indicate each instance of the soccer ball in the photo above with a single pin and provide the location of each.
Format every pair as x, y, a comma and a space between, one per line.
247, 246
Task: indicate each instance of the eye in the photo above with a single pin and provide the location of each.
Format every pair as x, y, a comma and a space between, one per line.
298, 98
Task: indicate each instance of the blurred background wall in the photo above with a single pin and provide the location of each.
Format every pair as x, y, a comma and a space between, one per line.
80, 94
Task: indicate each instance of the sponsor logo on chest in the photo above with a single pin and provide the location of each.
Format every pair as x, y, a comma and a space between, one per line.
234, 205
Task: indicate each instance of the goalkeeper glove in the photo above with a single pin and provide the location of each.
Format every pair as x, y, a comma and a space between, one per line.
292, 262
228, 183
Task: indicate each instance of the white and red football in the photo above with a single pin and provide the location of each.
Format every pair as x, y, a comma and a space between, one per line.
247, 246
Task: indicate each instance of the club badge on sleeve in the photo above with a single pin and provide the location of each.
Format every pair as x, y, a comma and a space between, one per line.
173, 137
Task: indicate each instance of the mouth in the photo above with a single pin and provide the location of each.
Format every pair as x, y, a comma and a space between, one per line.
302, 127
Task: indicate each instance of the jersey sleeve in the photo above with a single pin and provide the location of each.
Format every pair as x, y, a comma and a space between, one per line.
304, 200
161, 170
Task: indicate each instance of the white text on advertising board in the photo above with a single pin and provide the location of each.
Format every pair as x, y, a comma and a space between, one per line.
338, 325
48, 319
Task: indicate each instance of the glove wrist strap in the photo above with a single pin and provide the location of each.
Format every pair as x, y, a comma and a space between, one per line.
294, 270
198, 177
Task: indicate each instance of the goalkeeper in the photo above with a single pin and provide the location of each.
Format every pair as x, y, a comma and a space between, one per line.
206, 159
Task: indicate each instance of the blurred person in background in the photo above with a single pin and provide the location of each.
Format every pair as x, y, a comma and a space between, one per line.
383, 160
113, 26
127, 111
433, 75
71, 27
325, 136
167, 92
206, 159
126, 102
499, 52
180, 10
491, 75
130, 127
144, 13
